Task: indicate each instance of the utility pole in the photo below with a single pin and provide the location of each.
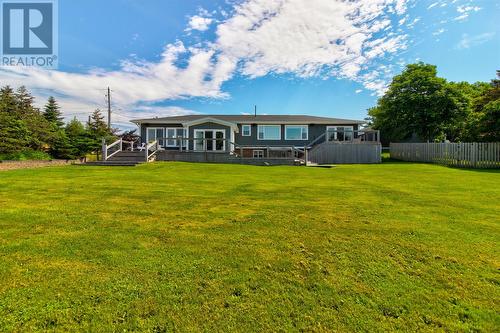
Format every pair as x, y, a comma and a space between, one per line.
109, 108
255, 111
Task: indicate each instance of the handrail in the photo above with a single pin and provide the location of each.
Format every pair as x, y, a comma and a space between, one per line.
312, 143
148, 147
105, 148
114, 143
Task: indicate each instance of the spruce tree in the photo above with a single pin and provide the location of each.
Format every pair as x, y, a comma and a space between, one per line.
98, 130
14, 134
53, 113
24, 101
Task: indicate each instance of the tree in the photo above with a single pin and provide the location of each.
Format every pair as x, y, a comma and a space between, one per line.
14, 135
41, 134
24, 101
489, 106
419, 103
98, 130
52, 113
79, 139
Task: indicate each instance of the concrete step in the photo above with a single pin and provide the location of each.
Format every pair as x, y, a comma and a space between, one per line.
130, 154
128, 158
113, 163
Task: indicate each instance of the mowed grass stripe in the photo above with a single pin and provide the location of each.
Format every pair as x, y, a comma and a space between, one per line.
203, 247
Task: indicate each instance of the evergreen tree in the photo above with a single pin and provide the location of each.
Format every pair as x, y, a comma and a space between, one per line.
98, 130
8, 101
41, 133
24, 101
14, 134
52, 113
79, 139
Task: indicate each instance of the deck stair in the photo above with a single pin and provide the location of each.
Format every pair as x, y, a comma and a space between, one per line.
123, 158
123, 153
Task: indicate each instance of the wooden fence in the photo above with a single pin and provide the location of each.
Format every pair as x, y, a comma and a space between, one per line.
465, 155
346, 153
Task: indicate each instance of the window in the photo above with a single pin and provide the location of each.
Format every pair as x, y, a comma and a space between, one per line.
246, 130
153, 134
269, 132
340, 133
258, 154
174, 133
296, 132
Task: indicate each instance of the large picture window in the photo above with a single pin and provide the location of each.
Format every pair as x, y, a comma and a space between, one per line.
296, 132
269, 132
340, 133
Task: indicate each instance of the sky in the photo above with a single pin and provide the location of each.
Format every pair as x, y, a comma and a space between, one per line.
328, 58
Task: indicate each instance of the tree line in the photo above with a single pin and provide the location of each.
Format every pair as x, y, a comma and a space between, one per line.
420, 106
28, 132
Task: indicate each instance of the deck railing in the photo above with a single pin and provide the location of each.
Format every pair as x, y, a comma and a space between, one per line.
114, 148
151, 149
352, 136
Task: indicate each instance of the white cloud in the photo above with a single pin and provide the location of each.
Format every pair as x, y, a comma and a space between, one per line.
314, 38
199, 23
432, 5
468, 41
465, 11
438, 32
358, 91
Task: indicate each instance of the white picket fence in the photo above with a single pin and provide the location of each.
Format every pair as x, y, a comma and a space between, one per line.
465, 155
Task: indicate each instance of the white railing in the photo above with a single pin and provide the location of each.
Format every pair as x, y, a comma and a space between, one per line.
466, 155
119, 147
154, 147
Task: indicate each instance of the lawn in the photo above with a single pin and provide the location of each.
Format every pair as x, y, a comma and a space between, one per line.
205, 247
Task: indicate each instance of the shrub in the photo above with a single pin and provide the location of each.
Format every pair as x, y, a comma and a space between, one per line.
25, 156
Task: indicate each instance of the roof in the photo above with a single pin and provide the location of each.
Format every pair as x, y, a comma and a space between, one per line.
251, 119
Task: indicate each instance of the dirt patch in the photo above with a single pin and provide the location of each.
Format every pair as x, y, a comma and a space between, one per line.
12, 165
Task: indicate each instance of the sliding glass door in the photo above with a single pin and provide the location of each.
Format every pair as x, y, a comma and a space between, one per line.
209, 140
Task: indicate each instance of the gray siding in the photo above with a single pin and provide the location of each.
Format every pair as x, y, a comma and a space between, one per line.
315, 131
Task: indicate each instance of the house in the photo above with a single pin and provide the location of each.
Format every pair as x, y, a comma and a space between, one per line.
248, 135
248, 139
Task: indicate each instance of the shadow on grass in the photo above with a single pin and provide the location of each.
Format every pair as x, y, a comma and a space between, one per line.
386, 159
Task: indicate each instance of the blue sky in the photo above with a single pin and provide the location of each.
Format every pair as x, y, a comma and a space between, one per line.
318, 57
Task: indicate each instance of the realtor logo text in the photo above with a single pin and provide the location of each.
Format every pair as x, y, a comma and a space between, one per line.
29, 33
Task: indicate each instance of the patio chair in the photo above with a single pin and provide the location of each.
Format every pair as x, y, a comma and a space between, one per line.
142, 147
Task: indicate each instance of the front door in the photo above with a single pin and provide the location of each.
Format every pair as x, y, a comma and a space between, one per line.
210, 140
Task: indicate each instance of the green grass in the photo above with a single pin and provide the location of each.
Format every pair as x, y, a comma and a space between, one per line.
201, 247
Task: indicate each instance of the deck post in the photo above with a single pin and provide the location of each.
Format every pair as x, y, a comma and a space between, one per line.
305, 156
104, 150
